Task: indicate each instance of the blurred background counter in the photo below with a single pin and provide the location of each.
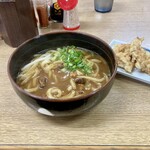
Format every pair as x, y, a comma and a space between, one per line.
121, 119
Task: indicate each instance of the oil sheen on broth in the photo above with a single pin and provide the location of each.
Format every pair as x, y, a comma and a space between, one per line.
64, 73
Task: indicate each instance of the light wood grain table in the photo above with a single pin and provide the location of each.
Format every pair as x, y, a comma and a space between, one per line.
122, 118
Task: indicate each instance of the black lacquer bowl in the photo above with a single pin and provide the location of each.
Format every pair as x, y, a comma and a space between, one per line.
24, 53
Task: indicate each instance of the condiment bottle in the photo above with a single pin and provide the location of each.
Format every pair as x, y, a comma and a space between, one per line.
70, 17
41, 6
56, 13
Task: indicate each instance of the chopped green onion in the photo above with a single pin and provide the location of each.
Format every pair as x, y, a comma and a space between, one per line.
73, 59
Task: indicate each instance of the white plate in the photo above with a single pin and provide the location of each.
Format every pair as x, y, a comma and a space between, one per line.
136, 74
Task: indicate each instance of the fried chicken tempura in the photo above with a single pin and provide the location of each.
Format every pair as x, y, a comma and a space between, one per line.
130, 56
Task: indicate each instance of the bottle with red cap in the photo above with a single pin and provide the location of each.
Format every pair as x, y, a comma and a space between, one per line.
70, 16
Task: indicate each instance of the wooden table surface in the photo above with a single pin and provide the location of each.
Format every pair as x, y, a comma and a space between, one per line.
122, 118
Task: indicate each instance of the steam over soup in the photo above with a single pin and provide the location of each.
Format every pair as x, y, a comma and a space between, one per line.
64, 73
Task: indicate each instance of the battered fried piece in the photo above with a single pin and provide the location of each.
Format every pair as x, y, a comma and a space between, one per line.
130, 56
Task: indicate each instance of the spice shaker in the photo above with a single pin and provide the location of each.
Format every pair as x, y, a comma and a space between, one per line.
70, 17
56, 13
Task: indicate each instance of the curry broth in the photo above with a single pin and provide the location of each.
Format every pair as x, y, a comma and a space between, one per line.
61, 79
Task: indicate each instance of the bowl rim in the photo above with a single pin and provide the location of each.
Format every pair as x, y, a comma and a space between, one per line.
59, 100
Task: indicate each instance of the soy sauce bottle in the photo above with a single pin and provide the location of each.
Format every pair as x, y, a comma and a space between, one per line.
56, 13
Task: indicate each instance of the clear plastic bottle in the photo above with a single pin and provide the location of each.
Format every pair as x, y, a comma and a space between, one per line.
71, 19
41, 6
70, 16
49, 3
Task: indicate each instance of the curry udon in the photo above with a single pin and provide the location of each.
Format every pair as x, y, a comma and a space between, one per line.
66, 72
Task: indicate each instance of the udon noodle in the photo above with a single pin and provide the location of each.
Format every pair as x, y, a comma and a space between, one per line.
66, 72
